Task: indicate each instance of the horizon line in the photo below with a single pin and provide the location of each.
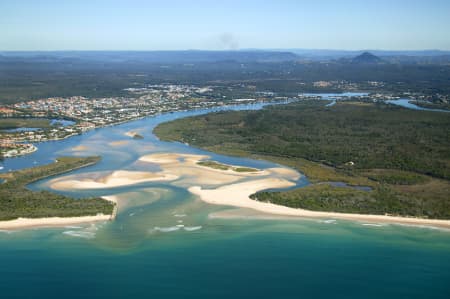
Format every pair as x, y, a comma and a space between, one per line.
231, 50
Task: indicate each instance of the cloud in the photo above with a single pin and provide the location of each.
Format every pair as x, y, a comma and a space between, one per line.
228, 41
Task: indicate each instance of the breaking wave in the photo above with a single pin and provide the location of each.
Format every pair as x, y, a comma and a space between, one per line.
328, 221
192, 228
174, 228
166, 229
372, 224
80, 234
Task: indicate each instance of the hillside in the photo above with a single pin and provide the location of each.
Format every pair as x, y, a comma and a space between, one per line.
366, 58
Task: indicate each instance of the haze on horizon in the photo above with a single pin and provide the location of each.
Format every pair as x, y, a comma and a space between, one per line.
27, 25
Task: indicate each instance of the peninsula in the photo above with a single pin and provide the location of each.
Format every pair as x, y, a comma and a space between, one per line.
22, 207
361, 158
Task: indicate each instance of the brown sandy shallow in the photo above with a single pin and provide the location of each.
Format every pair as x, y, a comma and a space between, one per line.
119, 142
79, 148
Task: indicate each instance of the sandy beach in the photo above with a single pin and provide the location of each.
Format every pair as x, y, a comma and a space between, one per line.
24, 223
237, 195
226, 187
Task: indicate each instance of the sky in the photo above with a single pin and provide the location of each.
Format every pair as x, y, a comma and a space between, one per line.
30, 25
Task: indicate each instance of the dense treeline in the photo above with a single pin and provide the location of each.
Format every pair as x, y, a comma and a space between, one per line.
382, 200
369, 136
404, 155
17, 201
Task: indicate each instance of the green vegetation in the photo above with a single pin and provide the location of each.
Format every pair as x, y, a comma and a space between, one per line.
13, 123
17, 201
396, 177
403, 155
32, 77
244, 169
370, 136
382, 200
212, 164
220, 166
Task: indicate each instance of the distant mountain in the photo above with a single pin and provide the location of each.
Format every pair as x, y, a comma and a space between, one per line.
366, 58
321, 54
165, 57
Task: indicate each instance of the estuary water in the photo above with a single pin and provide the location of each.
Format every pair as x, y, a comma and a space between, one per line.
167, 243
406, 103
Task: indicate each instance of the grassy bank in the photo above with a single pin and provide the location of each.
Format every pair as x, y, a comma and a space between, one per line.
403, 155
17, 201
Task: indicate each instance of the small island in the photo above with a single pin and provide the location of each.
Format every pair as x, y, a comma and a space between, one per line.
221, 166
134, 135
19, 203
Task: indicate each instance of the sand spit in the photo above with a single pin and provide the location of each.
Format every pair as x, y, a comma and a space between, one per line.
170, 158
115, 179
185, 166
237, 195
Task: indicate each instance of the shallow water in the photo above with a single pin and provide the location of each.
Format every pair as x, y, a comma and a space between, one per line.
165, 242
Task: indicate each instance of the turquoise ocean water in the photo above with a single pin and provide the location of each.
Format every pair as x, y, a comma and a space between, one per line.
144, 254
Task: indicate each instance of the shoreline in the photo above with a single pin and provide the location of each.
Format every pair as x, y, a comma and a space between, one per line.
238, 195
124, 121
28, 223
228, 188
